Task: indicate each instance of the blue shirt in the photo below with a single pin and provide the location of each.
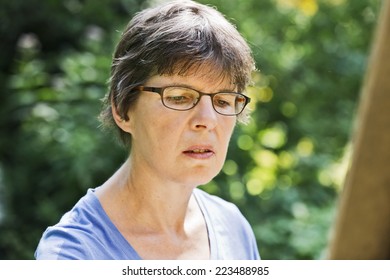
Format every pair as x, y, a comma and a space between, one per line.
86, 232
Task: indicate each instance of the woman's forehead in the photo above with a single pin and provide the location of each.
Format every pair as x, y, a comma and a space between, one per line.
198, 80
205, 73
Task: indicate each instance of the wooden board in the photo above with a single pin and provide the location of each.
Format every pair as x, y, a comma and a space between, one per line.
362, 226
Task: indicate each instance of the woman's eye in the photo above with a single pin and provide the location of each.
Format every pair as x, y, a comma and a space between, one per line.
223, 102
178, 99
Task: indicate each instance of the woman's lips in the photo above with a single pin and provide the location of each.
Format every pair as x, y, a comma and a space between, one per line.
199, 152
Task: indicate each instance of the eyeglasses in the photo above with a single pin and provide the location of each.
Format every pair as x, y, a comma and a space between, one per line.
183, 98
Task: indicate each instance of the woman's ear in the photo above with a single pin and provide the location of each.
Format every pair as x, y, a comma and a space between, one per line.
120, 122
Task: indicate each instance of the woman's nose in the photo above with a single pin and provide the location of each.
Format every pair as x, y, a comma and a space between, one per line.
204, 115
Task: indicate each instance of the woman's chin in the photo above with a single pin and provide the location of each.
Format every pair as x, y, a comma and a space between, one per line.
196, 180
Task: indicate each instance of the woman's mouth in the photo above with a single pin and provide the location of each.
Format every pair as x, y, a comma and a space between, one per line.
199, 153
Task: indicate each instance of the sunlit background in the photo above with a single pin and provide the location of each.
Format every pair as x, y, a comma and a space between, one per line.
285, 169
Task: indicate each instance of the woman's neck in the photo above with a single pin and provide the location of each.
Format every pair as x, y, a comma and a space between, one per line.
135, 197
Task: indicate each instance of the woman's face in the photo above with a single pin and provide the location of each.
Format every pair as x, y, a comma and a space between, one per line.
184, 147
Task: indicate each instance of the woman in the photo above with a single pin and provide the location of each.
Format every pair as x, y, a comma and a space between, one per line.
174, 100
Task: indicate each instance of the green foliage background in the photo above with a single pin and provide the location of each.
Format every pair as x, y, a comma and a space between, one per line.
284, 169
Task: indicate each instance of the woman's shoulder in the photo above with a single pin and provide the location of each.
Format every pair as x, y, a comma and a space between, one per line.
85, 213
84, 232
64, 239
